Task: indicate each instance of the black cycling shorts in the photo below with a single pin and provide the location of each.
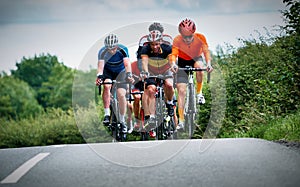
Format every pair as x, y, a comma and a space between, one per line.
152, 81
182, 76
115, 76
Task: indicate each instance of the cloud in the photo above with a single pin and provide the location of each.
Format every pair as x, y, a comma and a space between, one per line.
35, 11
247, 6
68, 28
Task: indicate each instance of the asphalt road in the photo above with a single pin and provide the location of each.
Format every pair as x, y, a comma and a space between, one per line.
182, 163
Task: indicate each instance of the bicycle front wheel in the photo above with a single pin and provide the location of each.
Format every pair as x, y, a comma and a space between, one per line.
190, 121
192, 111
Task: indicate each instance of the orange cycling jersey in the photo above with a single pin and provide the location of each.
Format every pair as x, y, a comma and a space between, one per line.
190, 51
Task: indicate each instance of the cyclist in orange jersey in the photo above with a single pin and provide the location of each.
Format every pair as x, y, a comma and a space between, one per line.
188, 48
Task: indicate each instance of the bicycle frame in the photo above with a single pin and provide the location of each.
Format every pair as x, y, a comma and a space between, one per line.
190, 108
163, 122
144, 135
115, 125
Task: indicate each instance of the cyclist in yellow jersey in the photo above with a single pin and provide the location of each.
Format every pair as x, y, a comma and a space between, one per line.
188, 48
155, 60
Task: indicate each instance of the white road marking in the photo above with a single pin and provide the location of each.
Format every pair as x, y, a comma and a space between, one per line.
59, 145
23, 169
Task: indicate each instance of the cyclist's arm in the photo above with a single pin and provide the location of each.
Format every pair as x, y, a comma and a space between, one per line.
100, 68
145, 59
127, 64
101, 61
173, 55
206, 52
175, 52
207, 56
172, 59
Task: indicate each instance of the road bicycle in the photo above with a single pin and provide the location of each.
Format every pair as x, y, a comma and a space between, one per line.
141, 130
190, 107
115, 126
164, 124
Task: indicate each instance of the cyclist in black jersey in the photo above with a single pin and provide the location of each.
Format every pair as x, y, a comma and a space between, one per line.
155, 60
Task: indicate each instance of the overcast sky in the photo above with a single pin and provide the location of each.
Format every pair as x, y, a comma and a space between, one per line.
69, 29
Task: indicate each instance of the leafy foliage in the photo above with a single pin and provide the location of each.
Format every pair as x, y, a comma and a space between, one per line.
84, 88
54, 126
50, 79
262, 83
35, 70
57, 90
261, 80
17, 99
292, 16
292, 27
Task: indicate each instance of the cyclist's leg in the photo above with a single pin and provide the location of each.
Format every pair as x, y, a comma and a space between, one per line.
149, 98
149, 104
136, 108
150, 107
199, 86
182, 80
175, 115
106, 96
129, 116
181, 88
169, 93
121, 96
168, 87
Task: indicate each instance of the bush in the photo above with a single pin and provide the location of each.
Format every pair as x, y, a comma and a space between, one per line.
17, 99
261, 81
52, 127
285, 128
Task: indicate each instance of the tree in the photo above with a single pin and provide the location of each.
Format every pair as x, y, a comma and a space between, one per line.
57, 91
17, 99
51, 80
292, 16
35, 70
292, 20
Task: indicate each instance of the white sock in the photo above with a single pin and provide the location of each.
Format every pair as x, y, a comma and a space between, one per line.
170, 102
106, 112
122, 118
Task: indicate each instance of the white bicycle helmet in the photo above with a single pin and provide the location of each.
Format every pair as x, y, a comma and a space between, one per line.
111, 41
154, 35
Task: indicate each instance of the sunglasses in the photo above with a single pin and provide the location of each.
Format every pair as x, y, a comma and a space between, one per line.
187, 37
112, 48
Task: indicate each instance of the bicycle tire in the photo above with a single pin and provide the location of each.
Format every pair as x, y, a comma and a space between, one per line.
144, 136
117, 132
172, 133
159, 118
192, 111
